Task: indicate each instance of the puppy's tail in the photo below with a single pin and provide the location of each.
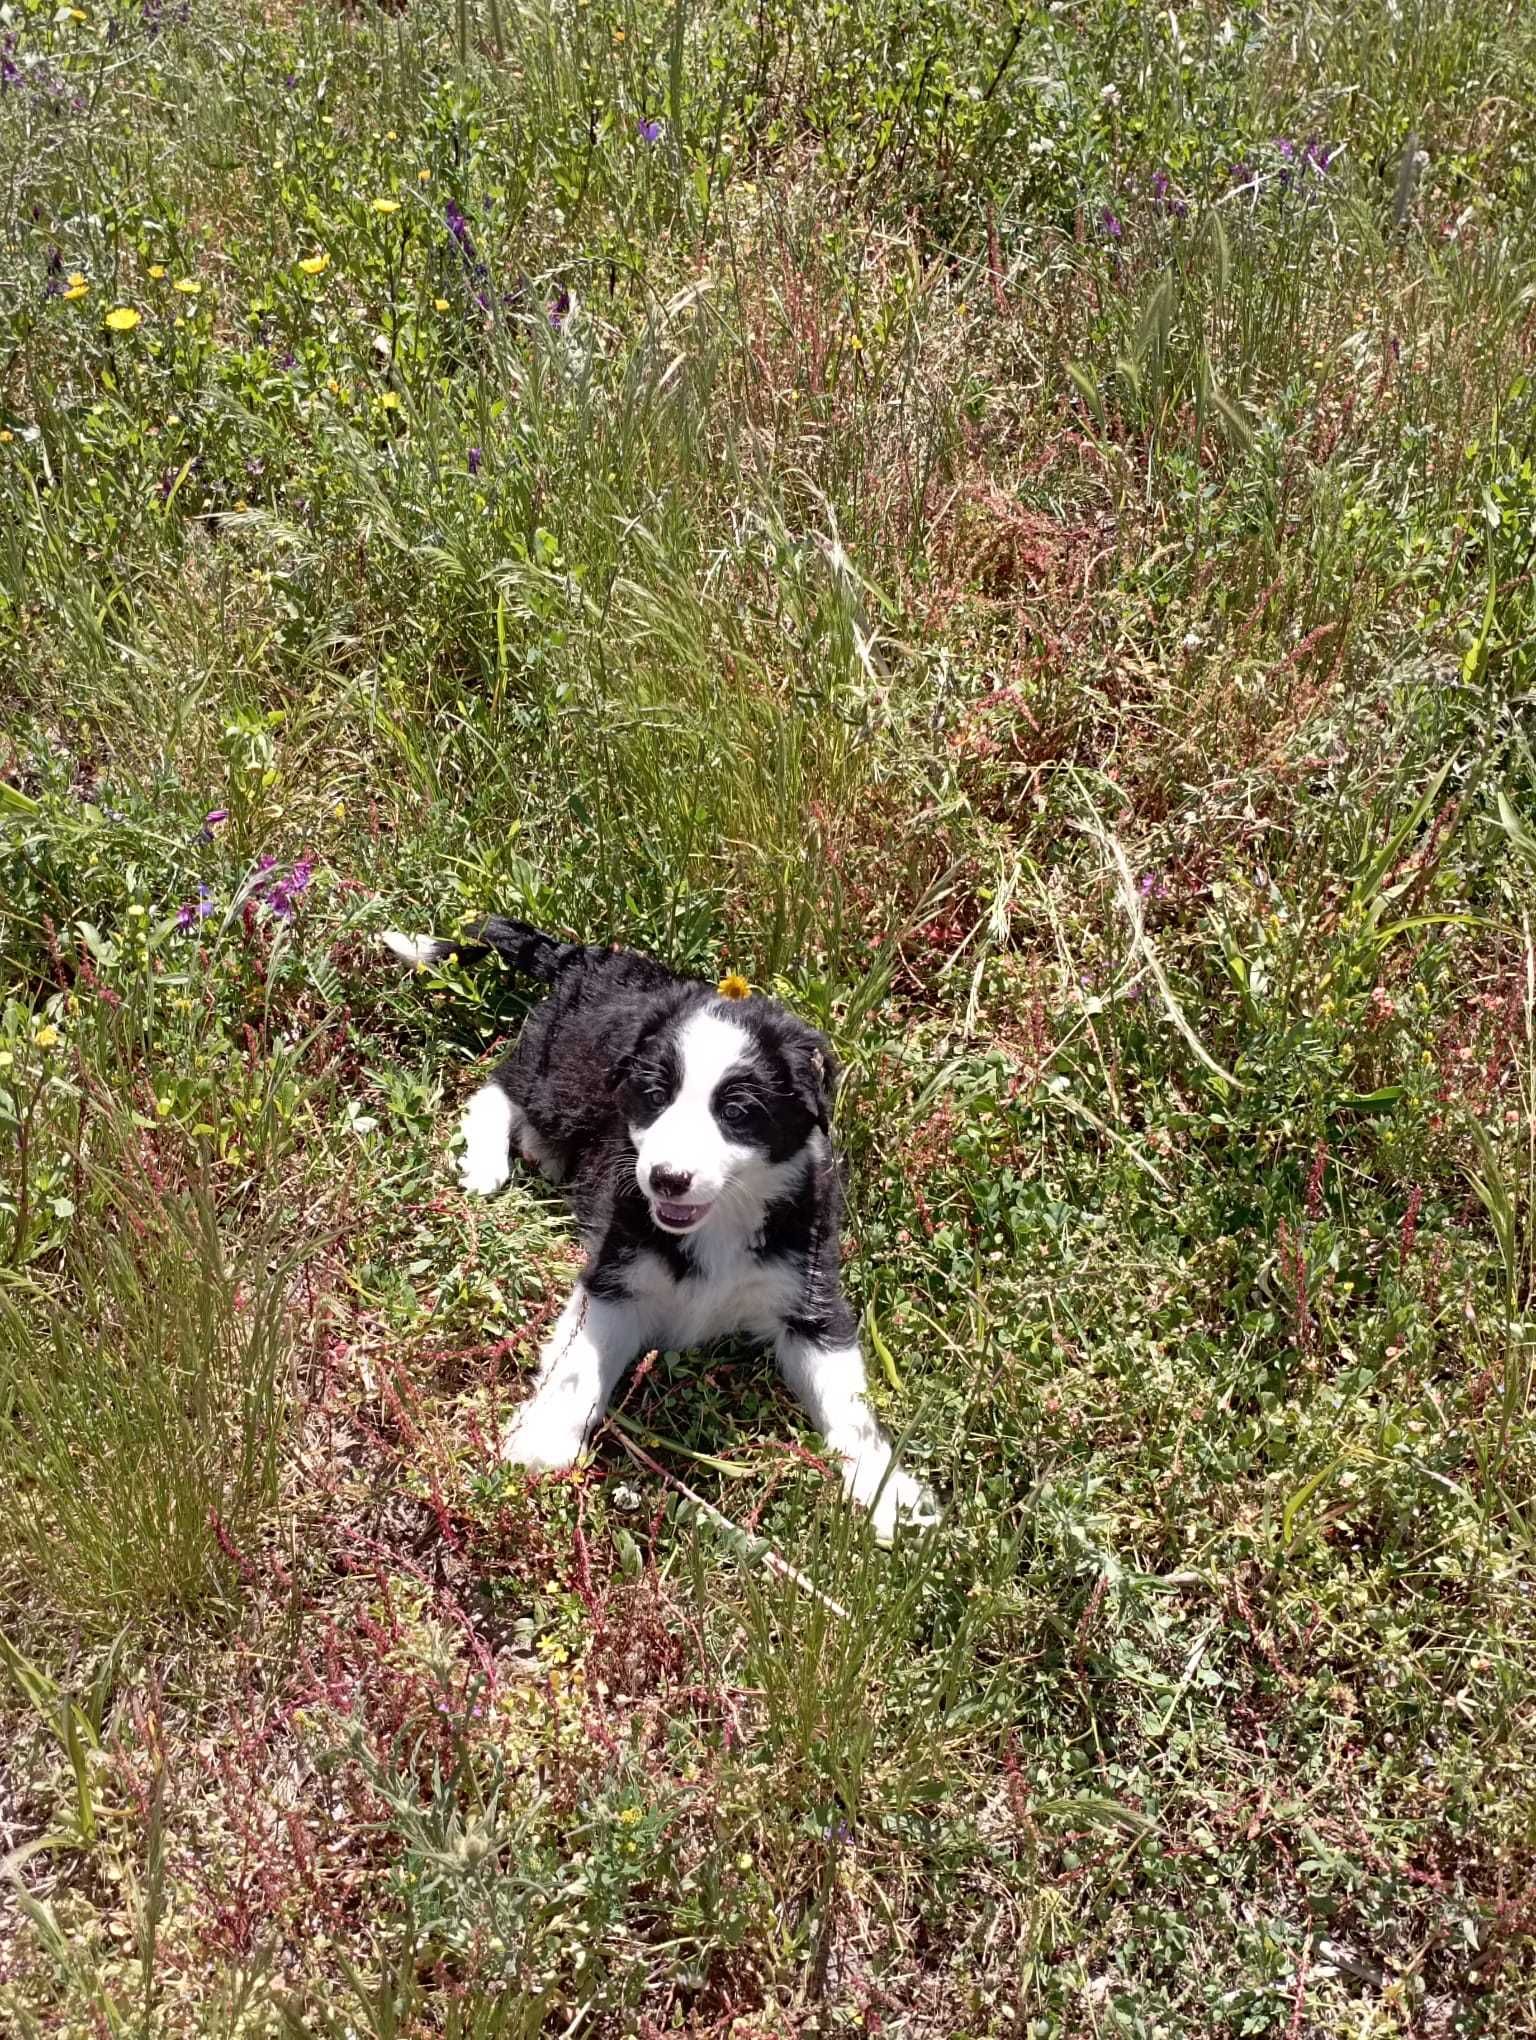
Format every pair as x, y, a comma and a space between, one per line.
525, 948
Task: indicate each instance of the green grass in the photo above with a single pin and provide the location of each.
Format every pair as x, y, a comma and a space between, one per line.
964, 519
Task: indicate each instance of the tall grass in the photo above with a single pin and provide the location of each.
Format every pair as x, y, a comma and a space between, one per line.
145, 1382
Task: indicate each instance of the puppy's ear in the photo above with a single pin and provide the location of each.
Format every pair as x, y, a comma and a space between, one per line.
816, 1074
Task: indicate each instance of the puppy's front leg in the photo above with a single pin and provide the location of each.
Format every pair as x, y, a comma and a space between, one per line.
829, 1382
591, 1345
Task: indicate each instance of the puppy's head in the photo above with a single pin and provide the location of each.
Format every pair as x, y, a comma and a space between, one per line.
724, 1100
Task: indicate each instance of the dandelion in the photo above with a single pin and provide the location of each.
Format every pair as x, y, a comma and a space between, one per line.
439, 304
121, 319
386, 205
733, 986
77, 290
187, 285
648, 130
315, 265
157, 270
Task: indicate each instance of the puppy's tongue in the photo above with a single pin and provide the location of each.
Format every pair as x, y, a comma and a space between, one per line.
680, 1215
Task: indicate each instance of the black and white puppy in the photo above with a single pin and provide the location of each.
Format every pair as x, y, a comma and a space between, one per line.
691, 1133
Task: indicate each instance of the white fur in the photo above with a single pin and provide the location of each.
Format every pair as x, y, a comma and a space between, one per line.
829, 1383
595, 1340
730, 1176
590, 1347
490, 1119
417, 950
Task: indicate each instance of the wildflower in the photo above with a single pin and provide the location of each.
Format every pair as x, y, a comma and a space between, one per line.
390, 401
47, 1037
648, 130
386, 205
77, 290
121, 319
157, 270
1111, 224
733, 986
439, 304
631, 1817
6, 435
191, 912
423, 176
187, 285
475, 458
315, 265
282, 893
559, 311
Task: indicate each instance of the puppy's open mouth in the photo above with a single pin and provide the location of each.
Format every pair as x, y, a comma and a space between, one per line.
678, 1217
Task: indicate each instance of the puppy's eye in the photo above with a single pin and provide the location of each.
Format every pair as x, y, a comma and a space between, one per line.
736, 1111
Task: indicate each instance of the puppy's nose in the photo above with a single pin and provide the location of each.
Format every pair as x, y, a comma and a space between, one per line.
670, 1182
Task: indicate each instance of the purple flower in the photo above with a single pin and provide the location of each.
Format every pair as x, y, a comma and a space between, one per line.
194, 911
282, 893
475, 458
1160, 186
559, 309
1287, 149
648, 130
1319, 155
1111, 224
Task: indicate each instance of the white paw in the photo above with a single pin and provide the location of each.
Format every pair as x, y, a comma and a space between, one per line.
900, 1500
542, 1439
482, 1172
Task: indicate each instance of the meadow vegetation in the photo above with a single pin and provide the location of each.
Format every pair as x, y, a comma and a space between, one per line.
1013, 528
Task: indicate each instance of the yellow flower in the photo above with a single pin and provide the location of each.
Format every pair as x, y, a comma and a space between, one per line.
187, 285
313, 265
386, 205
439, 304
157, 270
734, 986
122, 319
74, 278
78, 14
6, 436
390, 401
423, 176
78, 290
47, 1037
631, 1817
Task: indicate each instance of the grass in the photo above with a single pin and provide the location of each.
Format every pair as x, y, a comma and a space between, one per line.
1013, 529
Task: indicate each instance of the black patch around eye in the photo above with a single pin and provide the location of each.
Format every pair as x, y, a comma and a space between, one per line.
649, 1090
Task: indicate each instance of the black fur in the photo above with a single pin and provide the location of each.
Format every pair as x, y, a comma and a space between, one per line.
599, 1056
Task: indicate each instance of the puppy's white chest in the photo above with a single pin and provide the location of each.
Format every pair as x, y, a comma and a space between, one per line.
735, 1292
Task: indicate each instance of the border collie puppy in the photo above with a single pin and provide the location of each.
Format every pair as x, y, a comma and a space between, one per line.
691, 1133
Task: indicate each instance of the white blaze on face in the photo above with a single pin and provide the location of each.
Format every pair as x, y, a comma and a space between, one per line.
687, 1140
